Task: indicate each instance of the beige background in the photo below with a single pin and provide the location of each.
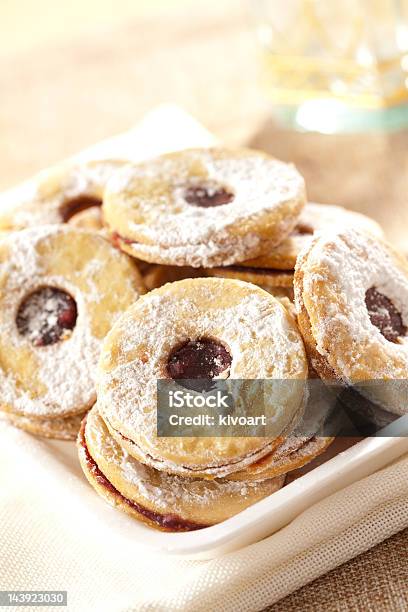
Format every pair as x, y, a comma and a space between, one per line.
73, 73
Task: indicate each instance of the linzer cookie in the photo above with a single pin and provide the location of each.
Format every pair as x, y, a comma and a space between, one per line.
203, 207
61, 290
198, 329
57, 195
351, 293
313, 218
163, 501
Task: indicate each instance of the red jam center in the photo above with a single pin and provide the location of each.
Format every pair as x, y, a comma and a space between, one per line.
207, 196
47, 316
304, 229
384, 315
72, 207
203, 358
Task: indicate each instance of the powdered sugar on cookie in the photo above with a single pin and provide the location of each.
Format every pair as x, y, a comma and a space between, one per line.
161, 490
151, 208
340, 272
313, 218
45, 373
258, 333
52, 195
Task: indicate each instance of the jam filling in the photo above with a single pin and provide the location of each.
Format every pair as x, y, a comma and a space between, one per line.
304, 229
199, 359
72, 207
207, 196
47, 316
384, 315
171, 522
116, 240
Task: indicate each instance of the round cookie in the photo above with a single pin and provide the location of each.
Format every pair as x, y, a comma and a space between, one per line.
163, 501
61, 290
278, 283
199, 328
351, 294
57, 429
56, 195
203, 207
313, 218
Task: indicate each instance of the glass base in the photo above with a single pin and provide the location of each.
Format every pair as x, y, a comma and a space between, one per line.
330, 116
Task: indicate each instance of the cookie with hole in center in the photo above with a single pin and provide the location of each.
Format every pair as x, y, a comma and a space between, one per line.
61, 290
163, 501
203, 207
313, 218
57, 195
351, 295
200, 329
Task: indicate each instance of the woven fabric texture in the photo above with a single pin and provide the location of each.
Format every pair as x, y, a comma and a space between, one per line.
51, 540
375, 581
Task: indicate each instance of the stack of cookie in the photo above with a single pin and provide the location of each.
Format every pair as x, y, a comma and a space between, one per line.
81, 245
196, 328
185, 214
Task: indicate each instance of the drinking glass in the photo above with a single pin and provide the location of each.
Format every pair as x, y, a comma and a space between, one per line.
335, 65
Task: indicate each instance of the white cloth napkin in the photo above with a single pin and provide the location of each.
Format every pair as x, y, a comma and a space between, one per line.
51, 537
50, 540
